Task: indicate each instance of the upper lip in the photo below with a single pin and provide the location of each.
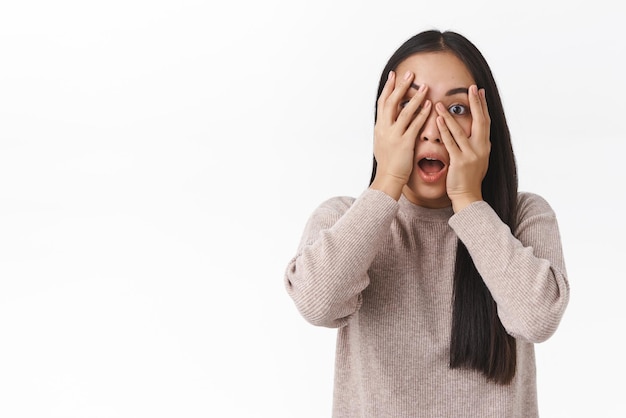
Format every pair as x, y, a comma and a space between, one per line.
433, 155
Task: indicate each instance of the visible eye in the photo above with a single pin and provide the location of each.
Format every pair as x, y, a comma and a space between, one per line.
458, 109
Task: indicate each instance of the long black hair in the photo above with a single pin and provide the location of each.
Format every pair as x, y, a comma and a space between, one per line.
478, 338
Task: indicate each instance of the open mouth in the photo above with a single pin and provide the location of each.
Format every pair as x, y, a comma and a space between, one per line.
430, 165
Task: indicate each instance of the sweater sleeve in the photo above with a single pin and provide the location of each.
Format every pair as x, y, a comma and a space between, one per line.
326, 277
523, 270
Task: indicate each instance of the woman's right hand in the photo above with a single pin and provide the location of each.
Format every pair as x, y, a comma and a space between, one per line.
395, 132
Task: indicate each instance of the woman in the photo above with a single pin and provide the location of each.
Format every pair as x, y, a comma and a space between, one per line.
440, 276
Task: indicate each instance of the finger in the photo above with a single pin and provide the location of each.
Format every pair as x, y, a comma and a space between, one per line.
485, 107
475, 101
453, 127
412, 108
447, 138
419, 119
486, 143
401, 87
384, 94
480, 118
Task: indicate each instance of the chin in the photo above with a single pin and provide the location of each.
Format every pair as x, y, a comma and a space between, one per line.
427, 196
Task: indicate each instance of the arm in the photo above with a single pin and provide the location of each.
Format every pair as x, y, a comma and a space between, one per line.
524, 270
340, 241
326, 277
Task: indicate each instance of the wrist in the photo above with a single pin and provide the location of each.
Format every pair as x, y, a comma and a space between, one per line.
462, 201
390, 185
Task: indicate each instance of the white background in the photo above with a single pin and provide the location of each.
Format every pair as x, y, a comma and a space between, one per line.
158, 161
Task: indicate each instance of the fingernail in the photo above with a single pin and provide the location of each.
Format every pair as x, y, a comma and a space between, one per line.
407, 75
474, 89
422, 88
390, 75
482, 93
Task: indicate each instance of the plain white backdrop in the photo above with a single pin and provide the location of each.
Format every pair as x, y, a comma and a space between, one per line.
158, 161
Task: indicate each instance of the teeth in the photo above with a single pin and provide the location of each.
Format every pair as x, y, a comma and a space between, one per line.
431, 159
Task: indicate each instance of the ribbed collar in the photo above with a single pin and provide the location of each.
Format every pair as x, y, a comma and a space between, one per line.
411, 210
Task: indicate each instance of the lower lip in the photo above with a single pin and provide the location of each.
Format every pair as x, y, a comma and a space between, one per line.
431, 177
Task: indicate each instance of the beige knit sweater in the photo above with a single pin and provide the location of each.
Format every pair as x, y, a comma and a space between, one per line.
381, 271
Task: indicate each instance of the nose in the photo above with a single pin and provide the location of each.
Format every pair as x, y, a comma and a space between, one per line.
430, 131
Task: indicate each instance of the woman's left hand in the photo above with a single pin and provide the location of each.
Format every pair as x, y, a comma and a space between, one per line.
469, 157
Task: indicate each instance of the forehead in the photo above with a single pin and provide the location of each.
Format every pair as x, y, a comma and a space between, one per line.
437, 70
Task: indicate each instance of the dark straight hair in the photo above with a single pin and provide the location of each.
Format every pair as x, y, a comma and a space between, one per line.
478, 338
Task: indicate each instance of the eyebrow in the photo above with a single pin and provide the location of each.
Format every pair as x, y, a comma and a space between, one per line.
451, 92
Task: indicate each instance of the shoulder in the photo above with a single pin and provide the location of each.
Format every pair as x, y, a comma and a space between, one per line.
325, 215
337, 204
369, 200
330, 210
531, 204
